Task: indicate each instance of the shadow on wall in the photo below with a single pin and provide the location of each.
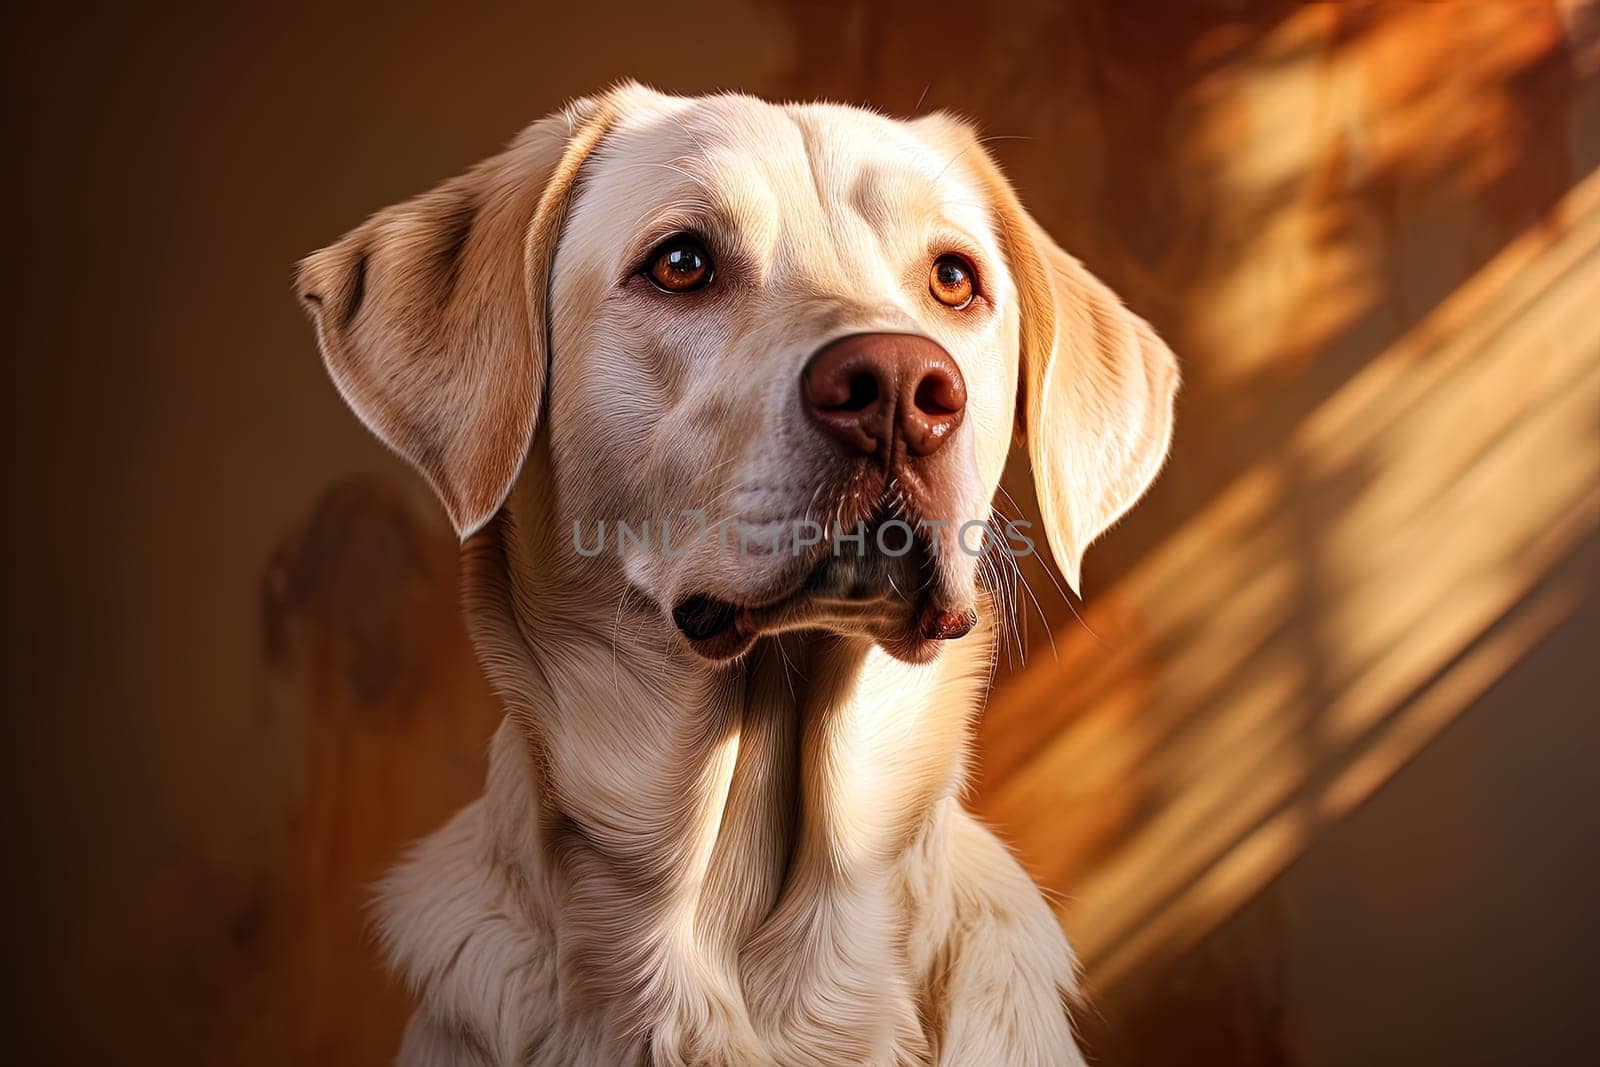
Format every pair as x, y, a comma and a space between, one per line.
1292, 645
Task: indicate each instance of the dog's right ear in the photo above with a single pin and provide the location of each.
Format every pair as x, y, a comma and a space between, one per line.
432, 315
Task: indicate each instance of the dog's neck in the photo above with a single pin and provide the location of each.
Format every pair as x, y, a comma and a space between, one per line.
684, 824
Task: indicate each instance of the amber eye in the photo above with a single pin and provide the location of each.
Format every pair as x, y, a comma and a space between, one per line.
950, 281
679, 265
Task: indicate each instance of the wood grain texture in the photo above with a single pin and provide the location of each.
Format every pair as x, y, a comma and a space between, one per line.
370, 673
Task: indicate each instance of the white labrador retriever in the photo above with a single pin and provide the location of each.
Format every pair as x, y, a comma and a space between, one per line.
722, 822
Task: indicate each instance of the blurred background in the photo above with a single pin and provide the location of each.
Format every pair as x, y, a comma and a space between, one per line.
1310, 772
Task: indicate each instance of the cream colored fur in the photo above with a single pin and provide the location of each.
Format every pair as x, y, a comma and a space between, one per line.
679, 861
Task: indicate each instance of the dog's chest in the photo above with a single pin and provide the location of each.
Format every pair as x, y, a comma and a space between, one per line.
494, 990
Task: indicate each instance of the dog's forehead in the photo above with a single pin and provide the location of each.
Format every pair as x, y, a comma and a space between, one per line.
779, 166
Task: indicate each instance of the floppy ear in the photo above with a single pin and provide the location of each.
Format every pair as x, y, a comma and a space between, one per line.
1097, 384
1097, 395
431, 315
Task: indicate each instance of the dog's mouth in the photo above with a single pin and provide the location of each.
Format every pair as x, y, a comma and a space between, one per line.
884, 584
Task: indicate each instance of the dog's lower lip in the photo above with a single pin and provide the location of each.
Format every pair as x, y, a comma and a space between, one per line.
720, 629
701, 617
936, 624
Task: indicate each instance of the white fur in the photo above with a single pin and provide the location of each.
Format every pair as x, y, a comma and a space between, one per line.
762, 861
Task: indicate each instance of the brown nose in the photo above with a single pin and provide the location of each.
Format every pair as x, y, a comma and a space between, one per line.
869, 388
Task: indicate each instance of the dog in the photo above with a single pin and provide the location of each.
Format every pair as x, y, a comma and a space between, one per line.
722, 822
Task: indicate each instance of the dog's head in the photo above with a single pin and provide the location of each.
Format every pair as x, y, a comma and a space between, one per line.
777, 354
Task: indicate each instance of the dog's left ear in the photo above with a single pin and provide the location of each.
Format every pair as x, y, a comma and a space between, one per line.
432, 315
1097, 384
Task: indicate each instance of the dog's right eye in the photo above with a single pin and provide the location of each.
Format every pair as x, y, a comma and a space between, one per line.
680, 264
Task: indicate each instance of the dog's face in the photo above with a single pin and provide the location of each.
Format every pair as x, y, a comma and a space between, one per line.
768, 322
778, 353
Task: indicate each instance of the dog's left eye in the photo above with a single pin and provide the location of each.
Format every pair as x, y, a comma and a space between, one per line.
950, 281
679, 264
